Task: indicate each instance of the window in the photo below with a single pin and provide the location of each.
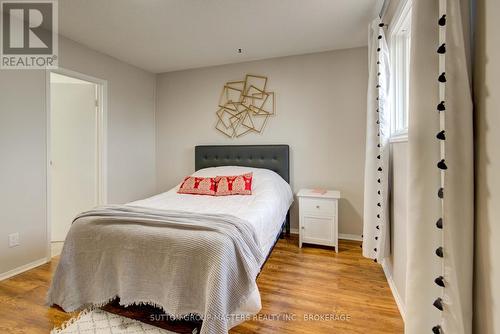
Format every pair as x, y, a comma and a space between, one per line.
399, 46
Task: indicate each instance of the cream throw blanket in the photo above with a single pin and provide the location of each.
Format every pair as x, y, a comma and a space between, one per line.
185, 263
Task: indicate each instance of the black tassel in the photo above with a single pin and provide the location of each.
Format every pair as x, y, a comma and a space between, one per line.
439, 251
378, 216
442, 20
441, 135
378, 62
379, 169
378, 145
441, 106
381, 25
375, 249
375, 260
378, 180
378, 122
379, 205
442, 78
378, 156
379, 36
378, 49
436, 330
378, 192
377, 227
438, 303
442, 165
377, 108
441, 192
376, 238
378, 86
439, 223
442, 49
439, 281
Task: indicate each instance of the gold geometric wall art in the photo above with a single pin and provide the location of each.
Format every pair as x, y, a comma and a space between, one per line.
245, 106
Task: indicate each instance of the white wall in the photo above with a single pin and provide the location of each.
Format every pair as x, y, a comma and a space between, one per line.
487, 122
23, 125
321, 114
131, 119
23, 167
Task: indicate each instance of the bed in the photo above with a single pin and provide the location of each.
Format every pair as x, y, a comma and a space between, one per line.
186, 254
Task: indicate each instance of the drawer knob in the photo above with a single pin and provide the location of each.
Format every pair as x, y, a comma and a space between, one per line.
317, 206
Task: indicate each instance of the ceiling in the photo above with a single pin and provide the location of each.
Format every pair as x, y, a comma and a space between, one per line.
169, 35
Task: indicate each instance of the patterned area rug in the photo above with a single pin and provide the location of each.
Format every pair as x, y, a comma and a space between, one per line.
101, 322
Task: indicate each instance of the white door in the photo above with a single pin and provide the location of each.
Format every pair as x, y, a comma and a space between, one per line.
74, 158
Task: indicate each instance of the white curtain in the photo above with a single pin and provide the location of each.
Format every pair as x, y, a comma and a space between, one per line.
376, 215
425, 207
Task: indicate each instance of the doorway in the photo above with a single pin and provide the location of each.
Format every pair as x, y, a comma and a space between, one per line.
76, 133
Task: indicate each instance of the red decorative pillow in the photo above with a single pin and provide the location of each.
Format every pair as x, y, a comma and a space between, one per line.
198, 186
234, 185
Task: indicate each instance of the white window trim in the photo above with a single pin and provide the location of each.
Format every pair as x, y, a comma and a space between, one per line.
399, 137
400, 18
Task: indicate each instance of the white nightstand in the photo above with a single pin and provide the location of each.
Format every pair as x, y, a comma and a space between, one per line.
318, 218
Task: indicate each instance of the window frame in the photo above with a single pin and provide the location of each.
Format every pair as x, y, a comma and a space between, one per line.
399, 52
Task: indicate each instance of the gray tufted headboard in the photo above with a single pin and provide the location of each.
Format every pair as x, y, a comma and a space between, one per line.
273, 157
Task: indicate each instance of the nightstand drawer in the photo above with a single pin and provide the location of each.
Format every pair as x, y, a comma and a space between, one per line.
318, 206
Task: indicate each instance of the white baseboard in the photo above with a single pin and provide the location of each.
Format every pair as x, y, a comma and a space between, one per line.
399, 301
21, 269
345, 236
342, 236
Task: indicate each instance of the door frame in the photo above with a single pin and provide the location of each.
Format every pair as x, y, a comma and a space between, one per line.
101, 144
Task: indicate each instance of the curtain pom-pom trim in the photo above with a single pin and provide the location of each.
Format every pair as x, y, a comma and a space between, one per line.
441, 106
436, 330
438, 303
442, 77
442, 165
440, 281
439, 252
442, 21
441, 135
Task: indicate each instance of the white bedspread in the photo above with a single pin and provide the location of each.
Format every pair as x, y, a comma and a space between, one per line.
265, 209
261, 213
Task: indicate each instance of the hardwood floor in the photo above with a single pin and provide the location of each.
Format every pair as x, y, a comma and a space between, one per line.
308, 290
